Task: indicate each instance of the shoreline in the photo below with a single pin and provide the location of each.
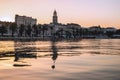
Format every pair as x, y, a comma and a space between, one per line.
48, 38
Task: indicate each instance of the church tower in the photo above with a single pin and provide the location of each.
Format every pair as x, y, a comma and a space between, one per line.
55, 17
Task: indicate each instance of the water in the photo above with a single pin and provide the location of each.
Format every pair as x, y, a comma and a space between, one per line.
91, 59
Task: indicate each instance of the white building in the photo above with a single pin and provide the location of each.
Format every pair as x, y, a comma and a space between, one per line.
19, 20
111, 29
95, 28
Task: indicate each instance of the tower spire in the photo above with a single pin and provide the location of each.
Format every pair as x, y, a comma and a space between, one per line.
55, 17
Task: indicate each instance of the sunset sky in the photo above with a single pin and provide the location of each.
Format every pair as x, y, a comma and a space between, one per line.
84, 12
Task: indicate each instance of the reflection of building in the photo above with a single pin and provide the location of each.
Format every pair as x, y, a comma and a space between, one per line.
25, 20
24, 50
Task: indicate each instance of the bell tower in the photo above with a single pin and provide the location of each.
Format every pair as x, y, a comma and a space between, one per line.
55, 17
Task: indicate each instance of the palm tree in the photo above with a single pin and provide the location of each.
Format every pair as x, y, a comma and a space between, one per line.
44, 28
39, 28
74, 31
29, 30
35, 29
52, 30
21, 30
13, 28
80, 32
3, 30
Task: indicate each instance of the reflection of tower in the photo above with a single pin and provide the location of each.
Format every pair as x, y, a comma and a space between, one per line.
55, 17
54, 55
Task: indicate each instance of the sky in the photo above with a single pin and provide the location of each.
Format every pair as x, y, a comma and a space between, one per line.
84, 12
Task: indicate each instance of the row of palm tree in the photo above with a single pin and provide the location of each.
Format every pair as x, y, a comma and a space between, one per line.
37, 30
22, 30
13, 28
3, 30
28, 30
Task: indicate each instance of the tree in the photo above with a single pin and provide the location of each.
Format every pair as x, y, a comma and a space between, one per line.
52, 30
39, 28
36, 30
21, 30
74, 32
80, 32
29, 30
44, 28
3, 30
110, 33
13, 28
118, 31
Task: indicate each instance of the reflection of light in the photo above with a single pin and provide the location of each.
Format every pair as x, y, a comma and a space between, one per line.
6, 64
6, 46
6, 18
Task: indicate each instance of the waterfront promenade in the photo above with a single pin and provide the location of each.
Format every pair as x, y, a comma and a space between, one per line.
25, 38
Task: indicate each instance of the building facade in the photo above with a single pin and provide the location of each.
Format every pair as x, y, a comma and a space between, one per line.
19, 20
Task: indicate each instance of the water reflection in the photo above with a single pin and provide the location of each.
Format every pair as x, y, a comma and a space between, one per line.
30, 50
55, 53
20, 65
19, 55
23, 50
85, 60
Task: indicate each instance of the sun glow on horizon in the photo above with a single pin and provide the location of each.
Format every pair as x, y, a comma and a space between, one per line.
84, 12
7, 18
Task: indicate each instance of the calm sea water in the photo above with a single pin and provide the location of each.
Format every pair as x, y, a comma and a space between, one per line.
91, 59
